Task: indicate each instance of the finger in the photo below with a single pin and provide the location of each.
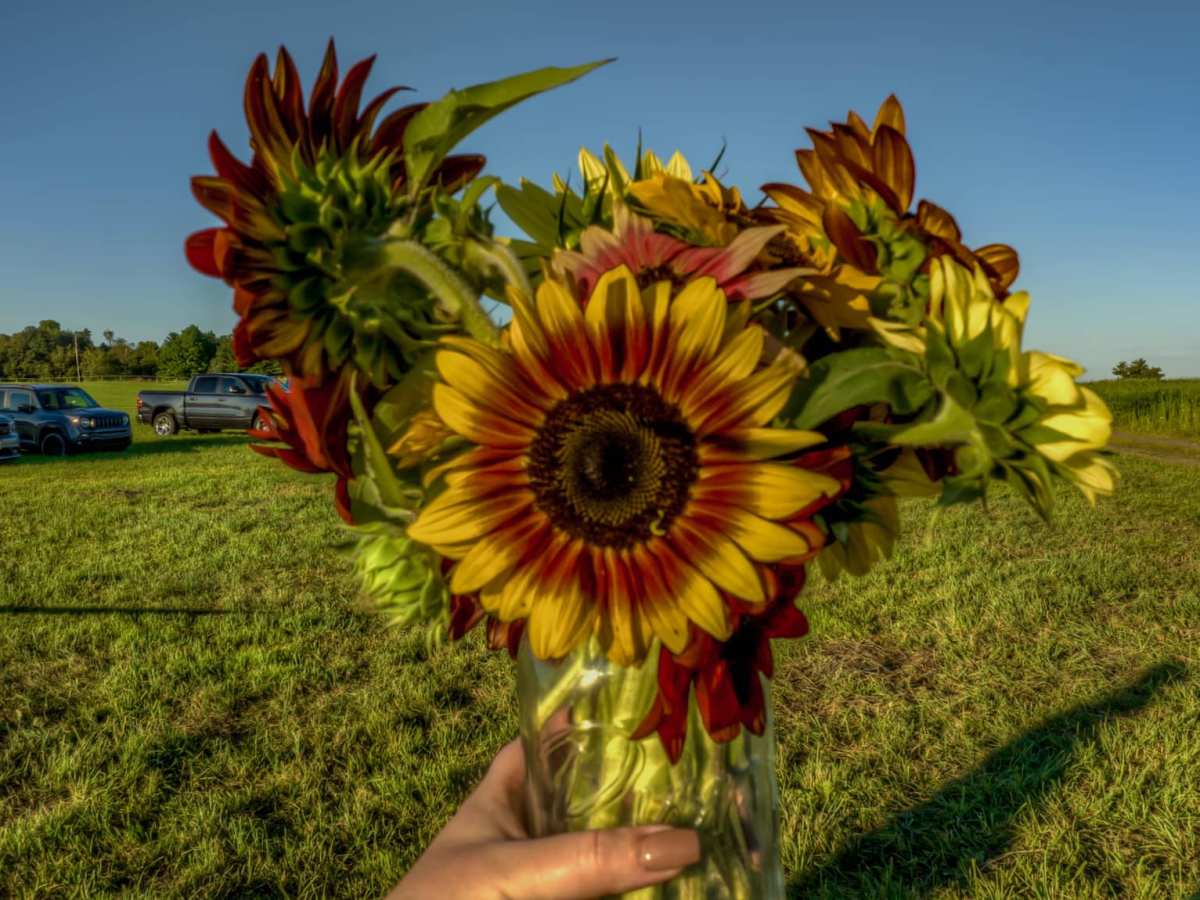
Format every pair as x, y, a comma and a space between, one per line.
589, 864
493, 810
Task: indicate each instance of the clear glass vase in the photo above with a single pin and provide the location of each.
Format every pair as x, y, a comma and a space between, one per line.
585, 771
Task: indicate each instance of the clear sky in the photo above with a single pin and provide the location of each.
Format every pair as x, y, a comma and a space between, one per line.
1068, 129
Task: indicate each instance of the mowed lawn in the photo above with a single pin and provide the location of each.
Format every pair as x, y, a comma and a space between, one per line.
194, 703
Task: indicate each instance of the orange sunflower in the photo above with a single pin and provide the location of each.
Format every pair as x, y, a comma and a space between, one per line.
623, 477
865, 176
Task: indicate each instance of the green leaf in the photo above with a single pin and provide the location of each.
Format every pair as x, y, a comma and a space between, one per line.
855, 377
471, 198
533, 209
435, 130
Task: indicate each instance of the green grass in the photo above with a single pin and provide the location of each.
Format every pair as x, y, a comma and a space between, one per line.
194, 704
1158, 407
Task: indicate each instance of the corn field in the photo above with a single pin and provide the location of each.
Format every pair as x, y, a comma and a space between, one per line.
1164, 407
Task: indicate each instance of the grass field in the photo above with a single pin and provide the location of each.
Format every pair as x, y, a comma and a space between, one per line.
1158, 407
195, 705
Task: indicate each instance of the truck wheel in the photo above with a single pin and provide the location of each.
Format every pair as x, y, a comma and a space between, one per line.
53, 444
164, 425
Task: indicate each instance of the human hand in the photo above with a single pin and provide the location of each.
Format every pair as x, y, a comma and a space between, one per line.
485, 852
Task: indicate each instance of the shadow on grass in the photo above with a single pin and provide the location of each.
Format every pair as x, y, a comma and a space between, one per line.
123, 610
970, 819
150, 447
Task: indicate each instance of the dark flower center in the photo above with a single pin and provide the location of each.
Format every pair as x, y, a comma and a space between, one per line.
612, 464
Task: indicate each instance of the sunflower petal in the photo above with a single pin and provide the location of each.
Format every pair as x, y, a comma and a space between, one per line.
763, 540
698, 599
717, 557
475, 424
772, 490
486, 387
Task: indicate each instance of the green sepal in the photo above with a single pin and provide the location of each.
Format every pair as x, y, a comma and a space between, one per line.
393, 411
956, 489
613, 164
975, 356
1030, 411
951, 425
997, 402
1033, 476
401, 577
939, 358
435, 130
376, 493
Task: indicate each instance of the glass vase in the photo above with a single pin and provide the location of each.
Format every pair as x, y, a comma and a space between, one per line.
586, 771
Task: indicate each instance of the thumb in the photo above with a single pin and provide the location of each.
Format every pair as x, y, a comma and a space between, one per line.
589, 864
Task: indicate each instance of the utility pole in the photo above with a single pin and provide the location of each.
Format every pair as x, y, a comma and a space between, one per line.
78, 372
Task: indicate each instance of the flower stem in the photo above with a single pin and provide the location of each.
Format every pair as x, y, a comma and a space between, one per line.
454, 294
496, 255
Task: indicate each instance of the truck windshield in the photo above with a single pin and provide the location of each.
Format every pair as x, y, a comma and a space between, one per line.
65, 398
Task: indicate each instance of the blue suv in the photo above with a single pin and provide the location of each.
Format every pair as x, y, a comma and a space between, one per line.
10, 444
57, 419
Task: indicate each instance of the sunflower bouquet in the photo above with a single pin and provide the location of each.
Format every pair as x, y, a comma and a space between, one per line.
619, 441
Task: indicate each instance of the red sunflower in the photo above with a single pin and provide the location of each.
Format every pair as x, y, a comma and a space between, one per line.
304, 219
623, 482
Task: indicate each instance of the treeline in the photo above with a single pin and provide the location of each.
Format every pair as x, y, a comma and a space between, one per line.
47, 351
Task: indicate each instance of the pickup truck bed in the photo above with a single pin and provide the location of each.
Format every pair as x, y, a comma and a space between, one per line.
215, 402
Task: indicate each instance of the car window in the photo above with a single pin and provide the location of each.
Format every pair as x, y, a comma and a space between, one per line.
17, 399
232, 386
66, 398
205, 386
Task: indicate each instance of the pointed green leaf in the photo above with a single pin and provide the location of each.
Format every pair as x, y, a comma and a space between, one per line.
852, 378
435, 130
532, 209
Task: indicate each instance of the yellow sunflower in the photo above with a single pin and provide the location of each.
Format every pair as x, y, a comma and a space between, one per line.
1019, 413
709, 211
623, 481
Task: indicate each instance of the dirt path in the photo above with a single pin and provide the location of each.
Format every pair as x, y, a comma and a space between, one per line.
1181, 451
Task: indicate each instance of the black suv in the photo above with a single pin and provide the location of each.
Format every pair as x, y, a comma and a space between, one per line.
58, 419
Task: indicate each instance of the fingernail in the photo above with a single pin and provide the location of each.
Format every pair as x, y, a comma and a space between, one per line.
671, 849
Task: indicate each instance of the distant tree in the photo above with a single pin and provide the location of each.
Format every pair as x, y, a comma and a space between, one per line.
1139, 368
187, 352
145, 359
99, 361
224, 360
62, 363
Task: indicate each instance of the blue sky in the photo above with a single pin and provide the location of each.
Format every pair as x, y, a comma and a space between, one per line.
1069, 130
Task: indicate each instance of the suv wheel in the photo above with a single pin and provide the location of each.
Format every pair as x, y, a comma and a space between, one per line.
260, 423
164, 425
53, 444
